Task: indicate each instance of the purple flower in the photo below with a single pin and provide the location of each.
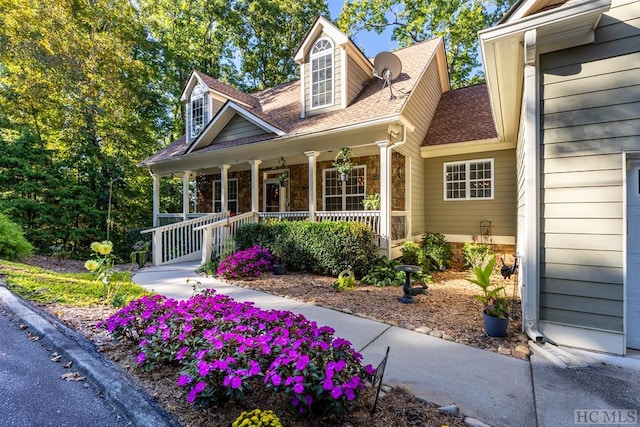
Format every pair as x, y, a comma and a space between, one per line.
276, 380
298, 388
180, 354
184, 380
336, 392
141, 358
327, 384
195, 390
302, 362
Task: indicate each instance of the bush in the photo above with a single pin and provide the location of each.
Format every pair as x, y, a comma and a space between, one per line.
346, 281
438, 249
250, 262
383, 273
414, 254
257, 418
325, 247
226, 348
13, 244
477, 255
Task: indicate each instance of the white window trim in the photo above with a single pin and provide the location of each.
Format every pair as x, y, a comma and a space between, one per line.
190, 112
312, 56
213, 193
467, 163
344, 194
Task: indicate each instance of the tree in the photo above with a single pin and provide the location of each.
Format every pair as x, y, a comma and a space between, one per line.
457, 21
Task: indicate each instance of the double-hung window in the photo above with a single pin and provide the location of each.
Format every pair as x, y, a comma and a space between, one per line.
468, 180
198, 110
322, 73
232, 196
344, 195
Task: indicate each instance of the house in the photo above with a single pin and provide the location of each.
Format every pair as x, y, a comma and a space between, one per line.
564, 87
238, 147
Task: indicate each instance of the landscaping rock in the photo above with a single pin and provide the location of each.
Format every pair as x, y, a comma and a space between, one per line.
472, 422
436, 334
404, 389
409, 326
386, 388
347, 310
505, 351
448, 337
422, 400
423, 329
523, 349
452, 410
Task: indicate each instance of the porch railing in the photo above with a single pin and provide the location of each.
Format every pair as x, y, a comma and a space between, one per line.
172, 218
181, 241
215, 234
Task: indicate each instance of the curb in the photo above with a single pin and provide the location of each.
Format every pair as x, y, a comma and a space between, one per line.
118, 388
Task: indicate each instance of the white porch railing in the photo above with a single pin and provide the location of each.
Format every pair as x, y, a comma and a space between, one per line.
199, 238
181, 241
215, 234
172, 218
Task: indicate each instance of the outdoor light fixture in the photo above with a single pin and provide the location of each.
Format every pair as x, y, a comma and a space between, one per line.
399, 173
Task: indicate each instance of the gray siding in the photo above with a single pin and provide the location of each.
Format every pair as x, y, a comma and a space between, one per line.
238, 127
464, 216
590, 114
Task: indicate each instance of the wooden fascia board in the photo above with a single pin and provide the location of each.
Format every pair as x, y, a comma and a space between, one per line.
189, 86
321, 24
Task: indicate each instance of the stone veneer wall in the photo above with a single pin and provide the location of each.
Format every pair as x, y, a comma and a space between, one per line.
506, 251
299, 184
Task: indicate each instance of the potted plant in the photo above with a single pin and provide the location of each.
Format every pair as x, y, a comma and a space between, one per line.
493, 298
283, 177
278, 250
342, 162
371, 202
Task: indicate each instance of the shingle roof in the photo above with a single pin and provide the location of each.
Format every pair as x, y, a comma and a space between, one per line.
229, 91
462, 115
280, 105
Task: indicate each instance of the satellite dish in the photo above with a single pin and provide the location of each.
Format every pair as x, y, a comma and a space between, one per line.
387, 67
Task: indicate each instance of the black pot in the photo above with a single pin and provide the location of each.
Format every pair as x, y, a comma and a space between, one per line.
495, 326
279, 269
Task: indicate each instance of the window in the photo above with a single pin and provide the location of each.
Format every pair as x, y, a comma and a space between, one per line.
322, 73
232, 196
472, 179
347, 195
198, 111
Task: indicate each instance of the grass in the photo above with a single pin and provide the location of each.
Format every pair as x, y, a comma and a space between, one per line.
77, 289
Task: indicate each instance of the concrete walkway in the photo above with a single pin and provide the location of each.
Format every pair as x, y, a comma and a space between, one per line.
496, 389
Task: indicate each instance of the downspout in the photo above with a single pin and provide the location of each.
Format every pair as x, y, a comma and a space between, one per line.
531, 261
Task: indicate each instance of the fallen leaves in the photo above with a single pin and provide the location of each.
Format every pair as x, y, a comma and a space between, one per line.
72, 376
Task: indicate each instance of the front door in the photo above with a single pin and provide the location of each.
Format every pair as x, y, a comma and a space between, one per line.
275, 198
633, 255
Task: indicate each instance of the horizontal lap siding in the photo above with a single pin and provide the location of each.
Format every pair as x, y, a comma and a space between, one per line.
238, 127
357, 79
464, 216
590, 115
419, 111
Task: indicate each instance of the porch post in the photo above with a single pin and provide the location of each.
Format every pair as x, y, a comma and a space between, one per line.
385, 197
312, 155
255, 185
156, 200
224, 182
185, 194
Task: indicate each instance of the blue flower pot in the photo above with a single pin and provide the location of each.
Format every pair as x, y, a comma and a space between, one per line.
495, 326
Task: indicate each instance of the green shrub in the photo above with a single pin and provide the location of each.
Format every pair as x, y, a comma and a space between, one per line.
438, 249
383, 273
477, 255
414, 254
325, 247
13, 244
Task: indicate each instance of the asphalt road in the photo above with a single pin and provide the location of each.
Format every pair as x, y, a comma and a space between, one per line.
32, 392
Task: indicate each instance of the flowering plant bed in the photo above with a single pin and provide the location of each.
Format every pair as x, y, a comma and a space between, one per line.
226, 348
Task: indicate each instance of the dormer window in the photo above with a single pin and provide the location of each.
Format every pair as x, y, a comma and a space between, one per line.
322, 73
198, 111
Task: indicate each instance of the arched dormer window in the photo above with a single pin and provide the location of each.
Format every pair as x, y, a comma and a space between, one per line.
198, 111
322, 73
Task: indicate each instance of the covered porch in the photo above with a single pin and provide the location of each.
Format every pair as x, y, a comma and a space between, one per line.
217, 199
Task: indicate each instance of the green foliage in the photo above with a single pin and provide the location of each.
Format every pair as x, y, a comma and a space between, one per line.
13, 244
414, 254
257, 418
477, 255
210, 267
437, 247
457, 21
492, 297
320, 247
383, 273
371, 202
346, 281
46, 287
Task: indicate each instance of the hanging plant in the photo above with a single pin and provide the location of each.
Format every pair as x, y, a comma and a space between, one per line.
284, 176
342, 162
